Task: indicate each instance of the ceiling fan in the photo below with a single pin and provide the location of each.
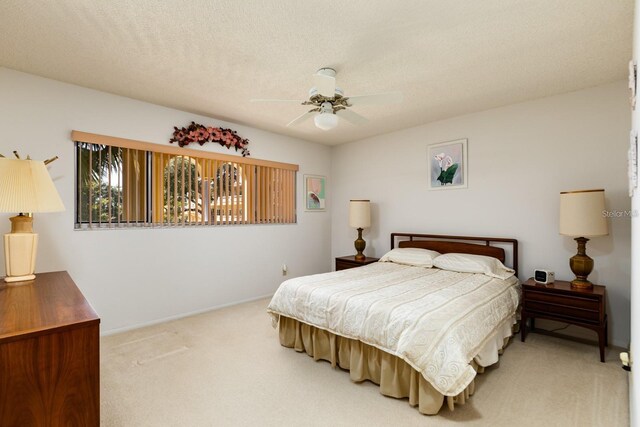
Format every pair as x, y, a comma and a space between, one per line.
330, 103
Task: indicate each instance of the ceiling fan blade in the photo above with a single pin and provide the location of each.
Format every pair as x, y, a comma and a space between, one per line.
326, 85
378, 98
352, 117
297, 101
301, 118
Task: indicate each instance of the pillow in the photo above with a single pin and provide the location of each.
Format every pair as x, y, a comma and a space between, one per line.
467, 263
411, 256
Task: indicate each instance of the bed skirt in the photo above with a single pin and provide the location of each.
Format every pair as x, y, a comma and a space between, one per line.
395, 377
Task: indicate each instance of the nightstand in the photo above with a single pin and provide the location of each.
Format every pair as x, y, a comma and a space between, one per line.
559, 301
345, 262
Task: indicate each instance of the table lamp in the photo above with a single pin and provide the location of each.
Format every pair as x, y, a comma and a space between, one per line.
360, 218
25, 187
581, 216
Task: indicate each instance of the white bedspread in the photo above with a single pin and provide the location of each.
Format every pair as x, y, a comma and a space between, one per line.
435, 320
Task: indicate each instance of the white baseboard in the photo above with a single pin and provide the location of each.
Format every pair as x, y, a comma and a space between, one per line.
179, 316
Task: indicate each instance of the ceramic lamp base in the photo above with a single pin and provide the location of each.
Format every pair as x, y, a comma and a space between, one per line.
19, 280
360, 244
20, 256
581, 265
581, 284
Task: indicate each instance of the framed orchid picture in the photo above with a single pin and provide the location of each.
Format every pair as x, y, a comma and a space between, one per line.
314, 193
447, 165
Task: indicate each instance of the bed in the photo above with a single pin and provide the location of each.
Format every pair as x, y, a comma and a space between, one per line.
419, 331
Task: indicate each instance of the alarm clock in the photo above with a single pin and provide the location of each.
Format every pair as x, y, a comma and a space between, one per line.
544, 276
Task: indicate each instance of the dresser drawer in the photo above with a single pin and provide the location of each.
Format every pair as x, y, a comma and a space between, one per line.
573, 301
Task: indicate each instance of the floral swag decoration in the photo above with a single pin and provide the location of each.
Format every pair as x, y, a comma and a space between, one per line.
201, 134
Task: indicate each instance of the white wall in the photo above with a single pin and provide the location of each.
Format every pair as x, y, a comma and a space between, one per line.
520, 158
133, 277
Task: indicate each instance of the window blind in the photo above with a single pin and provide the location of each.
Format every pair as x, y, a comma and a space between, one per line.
128, 183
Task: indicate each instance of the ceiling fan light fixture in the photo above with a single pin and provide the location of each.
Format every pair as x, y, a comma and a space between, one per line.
328, 102
326, 121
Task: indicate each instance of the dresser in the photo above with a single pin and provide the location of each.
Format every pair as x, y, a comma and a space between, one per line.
49, 354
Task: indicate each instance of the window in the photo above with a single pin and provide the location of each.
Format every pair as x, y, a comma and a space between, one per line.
125, 183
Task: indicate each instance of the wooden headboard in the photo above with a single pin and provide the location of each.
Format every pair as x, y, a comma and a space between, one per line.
458, 244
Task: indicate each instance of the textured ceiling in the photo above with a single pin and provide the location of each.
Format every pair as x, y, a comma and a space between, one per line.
210, 57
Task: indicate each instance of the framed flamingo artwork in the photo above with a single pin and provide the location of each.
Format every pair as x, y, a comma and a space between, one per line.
447, 164
314, 193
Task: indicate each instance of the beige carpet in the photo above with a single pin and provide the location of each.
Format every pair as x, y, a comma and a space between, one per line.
226, 368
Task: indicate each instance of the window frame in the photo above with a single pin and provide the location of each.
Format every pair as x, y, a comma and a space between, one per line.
282, 197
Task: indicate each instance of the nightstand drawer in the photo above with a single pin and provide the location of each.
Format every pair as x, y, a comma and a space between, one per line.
345, 262
573, 301
342, 265
564, 311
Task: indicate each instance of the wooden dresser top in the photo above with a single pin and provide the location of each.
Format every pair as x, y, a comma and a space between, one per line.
51, 302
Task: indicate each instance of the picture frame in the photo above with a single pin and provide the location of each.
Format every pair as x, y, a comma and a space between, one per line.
447, 165
315, 193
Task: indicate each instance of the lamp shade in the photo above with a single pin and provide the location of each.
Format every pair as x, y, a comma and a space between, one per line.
25, 186
326, 121
581, 213
359, 214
